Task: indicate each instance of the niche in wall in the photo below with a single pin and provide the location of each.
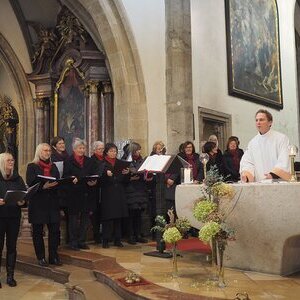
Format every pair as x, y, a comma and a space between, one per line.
214, 122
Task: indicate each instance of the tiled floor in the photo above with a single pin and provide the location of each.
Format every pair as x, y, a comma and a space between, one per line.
33, 288
194, 274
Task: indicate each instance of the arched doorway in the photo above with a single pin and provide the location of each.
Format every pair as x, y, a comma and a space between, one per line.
23, 102
107, 24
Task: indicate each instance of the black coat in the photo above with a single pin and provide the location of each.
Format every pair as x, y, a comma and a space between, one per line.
43, 206
136, 190
216, 160
230, 172
14, 183
79, 196
96, 192
113, 200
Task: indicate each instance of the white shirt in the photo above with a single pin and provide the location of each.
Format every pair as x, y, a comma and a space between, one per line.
264, 153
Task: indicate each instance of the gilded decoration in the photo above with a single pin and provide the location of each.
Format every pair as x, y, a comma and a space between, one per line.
8, 126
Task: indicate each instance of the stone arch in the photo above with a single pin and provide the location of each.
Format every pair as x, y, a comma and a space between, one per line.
25, 104
106, 22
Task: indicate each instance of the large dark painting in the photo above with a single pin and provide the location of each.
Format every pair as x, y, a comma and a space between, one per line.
253, 51
71, 110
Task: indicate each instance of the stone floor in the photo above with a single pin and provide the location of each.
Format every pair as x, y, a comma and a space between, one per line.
33, 288
194, 272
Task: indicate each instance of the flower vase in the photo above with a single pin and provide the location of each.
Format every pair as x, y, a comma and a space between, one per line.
174, 261
214, 260
161, 246
221, 269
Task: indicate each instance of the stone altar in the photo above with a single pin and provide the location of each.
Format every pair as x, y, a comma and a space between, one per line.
266, 220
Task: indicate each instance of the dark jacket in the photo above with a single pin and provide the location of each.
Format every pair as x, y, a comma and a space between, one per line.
78, 198
199, 166
231, 173
55, 156
96, 192
43, 206
14, 183
113, 200
136, 190
216, 160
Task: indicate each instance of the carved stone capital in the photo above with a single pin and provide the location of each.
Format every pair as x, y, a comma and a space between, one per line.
41, 102
106, 87
91, 87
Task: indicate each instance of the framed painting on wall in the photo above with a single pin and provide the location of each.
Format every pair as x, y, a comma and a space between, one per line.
253, 54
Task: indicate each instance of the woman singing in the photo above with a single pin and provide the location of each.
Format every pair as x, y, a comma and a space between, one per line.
10, 215
44, 207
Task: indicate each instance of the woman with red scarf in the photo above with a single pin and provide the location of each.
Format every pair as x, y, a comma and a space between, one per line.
113, 198
79, 194
43, 206
189, 154
98, 159
231, 160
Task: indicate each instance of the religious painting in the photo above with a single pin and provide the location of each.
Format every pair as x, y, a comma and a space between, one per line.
253, 54
71, 109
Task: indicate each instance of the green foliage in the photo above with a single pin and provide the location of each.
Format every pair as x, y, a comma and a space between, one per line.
172, 235
183, 225
203, 209
160, 224
208, 231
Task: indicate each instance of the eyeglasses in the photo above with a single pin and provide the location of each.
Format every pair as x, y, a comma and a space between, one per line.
10, 160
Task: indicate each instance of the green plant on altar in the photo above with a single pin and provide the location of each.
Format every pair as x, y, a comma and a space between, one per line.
211, 211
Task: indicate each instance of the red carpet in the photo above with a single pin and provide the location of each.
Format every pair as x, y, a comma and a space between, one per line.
192, 244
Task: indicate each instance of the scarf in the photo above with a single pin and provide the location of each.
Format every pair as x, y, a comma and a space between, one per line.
191, 160
79, 159
112, 161
99, 157
59, 156
136, 157
235, 159
46, 167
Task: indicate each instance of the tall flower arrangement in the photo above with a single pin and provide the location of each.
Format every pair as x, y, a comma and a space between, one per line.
172, 233
209, 211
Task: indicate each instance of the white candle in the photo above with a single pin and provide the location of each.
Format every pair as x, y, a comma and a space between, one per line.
187, 175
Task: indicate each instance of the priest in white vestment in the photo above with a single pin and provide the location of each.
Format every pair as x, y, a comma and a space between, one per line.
267, 154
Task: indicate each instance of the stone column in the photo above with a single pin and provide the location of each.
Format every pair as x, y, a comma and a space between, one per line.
106, 113
39, 106
178, 73
47, 121
93, 109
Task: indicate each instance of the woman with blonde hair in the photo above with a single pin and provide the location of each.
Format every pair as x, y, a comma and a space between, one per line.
10, 214
44, 205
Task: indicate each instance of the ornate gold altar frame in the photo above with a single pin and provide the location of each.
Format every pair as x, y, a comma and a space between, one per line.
69, 64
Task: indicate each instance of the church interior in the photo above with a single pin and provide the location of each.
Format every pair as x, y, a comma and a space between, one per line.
146, 71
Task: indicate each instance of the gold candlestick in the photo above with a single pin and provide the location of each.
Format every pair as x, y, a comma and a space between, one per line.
204, 158
293, 150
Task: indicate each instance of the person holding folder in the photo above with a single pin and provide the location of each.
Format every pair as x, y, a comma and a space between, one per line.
80, 200
10, 214
113, 206
136, 194
44, 205
98, 159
